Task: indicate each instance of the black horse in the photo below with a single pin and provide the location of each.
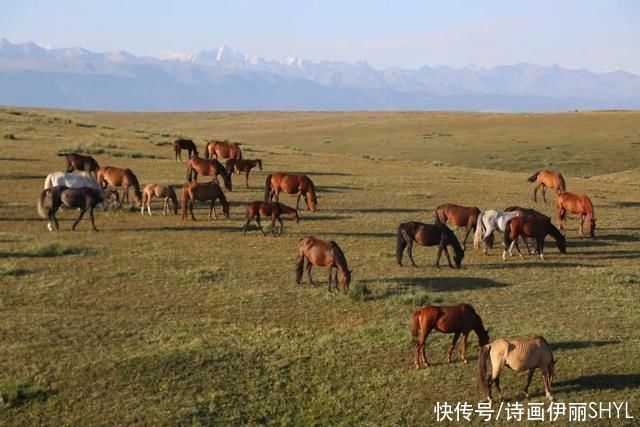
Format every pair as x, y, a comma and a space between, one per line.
428, 235
81, 198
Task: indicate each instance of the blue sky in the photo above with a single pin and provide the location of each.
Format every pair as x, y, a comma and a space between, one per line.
598, 35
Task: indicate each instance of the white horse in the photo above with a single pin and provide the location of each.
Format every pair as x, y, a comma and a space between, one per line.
490, 221
82, 180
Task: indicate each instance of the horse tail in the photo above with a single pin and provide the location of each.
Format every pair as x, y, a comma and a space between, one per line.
136, 184
415, 324
482, 369
267, 188
185, 194
507, 234
206, 150
239, 151
401, 243
477, 236
562, 186
189, 169
299, 265
439, 219
174, 199
40, 204
533, 177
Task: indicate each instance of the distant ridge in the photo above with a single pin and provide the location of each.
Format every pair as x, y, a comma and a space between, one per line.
224, 79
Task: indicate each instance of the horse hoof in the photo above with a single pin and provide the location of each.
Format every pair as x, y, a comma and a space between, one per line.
465, 361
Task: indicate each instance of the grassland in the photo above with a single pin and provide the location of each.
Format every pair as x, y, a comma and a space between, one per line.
158, 321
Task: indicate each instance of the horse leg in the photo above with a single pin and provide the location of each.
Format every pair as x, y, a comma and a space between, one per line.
281, 226
73, 227
438, 256
464, 242
93, 222
144, 200
546, 380
525, 391
273, 225
541, 247
453, 345
544, 193
297, 201
463, 350
191, 209
410, 251
309, 265
580, 225
246, 225
446, 252
246, 177
330, 277
260, 225
535, 192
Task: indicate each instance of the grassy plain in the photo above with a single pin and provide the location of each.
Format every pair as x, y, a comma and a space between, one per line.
158, 321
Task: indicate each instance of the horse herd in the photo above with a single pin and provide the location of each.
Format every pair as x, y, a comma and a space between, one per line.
85, 192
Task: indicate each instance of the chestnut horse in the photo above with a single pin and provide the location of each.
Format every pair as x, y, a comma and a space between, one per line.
79, 162
531, 227
427, 235
222, 149
240, 165
519, 355
163, 191
274, 210
546, 178
81, 198
193, 191
291, 184
208, 167
579, 204
184, 144
124, 178
461, 216
323, 253
528, 213
453, 319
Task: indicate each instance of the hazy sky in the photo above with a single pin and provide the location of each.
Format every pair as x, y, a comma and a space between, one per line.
598, 35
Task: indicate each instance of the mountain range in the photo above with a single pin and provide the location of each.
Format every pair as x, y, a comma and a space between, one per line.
224, 79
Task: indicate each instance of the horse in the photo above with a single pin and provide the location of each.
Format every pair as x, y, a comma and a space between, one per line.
208, 167
154, 190
222, 149
70, 180
519, 355
240, 165
291, 184
117, 177
527, 213
579, 204
193, 191
82, 198
184, 144
488, 222
532, 227
428, 235
274, 210
546, 178
453, 319
79, 162
323, 253
462, 216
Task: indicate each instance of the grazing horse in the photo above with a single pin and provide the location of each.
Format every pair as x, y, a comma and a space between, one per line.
579, 204
222, 149
462, 216
453, 319
546, 178
532, 227
82, 198
125, 178
184, 144
208, 167
79, 162
519, 355
193, 191
274, 210
488, 222
163, 191
291, 184
240, 165
323, 253
428, 235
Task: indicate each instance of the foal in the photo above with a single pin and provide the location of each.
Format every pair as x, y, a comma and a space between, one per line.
162, 191
274, 210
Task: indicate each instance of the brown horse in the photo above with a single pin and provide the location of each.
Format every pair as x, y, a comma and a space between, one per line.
428, 235
579, 204
454, 319
461, 216
538, 228
274, 210
223, 150
184, 144
519, 355
193, 191
163, 191
546, 178
528, 213
323, 253
83, 198
79, 162
208, 167
124, 178
291, 184
240, 165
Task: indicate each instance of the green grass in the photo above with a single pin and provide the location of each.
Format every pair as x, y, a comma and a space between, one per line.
160, 321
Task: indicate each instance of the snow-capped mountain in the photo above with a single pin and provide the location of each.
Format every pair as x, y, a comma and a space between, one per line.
226, 79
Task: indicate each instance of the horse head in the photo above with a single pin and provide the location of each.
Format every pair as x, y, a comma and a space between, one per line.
259, 161
562, 243
312, 201
294, 215
483, 337
227, 180
345, 279
458, 257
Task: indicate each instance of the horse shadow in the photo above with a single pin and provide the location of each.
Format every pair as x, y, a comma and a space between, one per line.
625, 204
578, 345
336, 189
381, 210
616, 238
539, 264
21, 177
313, 217
353, 234
612, 254
599, 382
438, 283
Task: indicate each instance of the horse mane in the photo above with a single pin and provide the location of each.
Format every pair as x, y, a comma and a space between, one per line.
561, 184
267, 188
313, 189
533, 177
341, 260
